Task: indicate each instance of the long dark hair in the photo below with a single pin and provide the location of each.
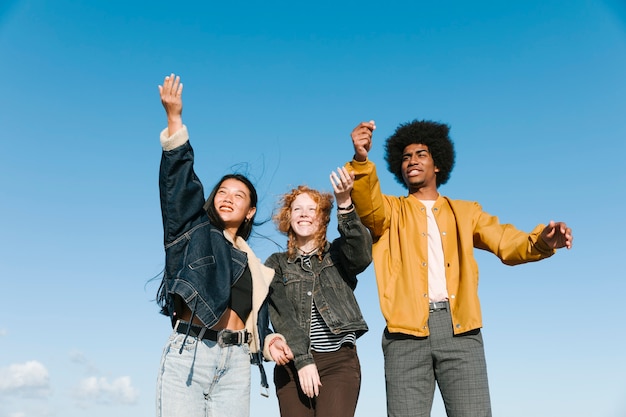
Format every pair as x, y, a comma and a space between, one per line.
245, 229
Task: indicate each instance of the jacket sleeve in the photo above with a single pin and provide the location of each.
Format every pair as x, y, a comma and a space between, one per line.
354, 245
368, 198
284, 318
511, 245
181, 192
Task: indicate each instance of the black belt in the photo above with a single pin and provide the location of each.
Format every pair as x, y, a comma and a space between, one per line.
223, 337
436, 306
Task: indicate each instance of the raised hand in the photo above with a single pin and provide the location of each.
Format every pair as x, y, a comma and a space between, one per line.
342, 182
172, 99
557, 235
362, 140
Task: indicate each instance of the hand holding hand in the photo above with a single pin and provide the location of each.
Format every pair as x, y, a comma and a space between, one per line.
310, 380
281, 352
557, 235
362, 140
342, 182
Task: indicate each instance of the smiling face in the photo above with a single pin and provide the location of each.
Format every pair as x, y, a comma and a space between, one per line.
304, 218
232, 203
418, 168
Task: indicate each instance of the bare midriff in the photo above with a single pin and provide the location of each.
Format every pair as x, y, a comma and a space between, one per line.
229, 320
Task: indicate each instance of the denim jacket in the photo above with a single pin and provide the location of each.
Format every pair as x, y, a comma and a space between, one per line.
330, 282
195, 249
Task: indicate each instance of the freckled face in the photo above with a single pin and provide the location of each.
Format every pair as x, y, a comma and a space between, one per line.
232, 202
304, 217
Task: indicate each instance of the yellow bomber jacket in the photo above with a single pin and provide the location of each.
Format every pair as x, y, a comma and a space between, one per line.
400, 252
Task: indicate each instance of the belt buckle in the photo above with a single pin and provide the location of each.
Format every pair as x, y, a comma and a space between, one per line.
220, 338
436, 306
228, 335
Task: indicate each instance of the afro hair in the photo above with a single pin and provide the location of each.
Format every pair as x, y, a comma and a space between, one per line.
423, 132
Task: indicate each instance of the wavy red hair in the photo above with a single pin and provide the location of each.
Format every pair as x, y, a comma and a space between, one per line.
282, 218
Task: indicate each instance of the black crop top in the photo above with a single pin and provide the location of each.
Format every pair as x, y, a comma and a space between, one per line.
241, 295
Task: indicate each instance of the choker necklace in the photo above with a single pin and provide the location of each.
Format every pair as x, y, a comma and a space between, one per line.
302, 252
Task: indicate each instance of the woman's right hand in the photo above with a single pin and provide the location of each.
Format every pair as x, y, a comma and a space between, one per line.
342, 182
172, 99
310, 380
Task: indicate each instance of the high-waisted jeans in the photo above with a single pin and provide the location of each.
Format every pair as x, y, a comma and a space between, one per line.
205, 380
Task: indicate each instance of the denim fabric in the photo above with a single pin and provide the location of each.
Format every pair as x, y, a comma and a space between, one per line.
194, 248
205, 380
331, 282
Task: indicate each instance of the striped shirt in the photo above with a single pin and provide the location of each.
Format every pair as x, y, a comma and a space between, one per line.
322, 339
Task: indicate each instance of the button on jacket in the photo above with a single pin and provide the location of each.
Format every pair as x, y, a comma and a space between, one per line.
400, 251
330, 282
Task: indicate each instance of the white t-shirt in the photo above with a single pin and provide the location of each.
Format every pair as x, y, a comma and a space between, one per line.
437, 290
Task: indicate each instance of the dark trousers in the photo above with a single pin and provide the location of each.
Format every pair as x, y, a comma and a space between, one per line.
455, 363
340, 374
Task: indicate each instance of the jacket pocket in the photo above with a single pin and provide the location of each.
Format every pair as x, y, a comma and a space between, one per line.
202, 262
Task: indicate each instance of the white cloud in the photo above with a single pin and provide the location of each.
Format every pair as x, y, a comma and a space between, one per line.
100, 390
29, 379
3, 332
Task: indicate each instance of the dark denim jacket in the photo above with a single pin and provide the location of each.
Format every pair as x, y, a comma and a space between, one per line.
194, 248
330, 282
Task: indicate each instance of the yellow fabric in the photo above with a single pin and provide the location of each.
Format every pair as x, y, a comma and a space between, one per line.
400, 251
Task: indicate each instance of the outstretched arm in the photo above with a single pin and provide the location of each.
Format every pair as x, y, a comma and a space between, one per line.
557, 235
172, 99
362, 140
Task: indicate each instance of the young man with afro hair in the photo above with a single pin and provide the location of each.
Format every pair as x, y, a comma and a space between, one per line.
426, 272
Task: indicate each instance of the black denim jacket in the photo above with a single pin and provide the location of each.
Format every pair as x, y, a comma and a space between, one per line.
330, 282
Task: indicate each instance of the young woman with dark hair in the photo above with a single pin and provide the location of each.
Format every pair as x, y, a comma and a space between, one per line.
214, 287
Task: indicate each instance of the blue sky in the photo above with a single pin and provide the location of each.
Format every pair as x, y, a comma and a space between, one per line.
535, 96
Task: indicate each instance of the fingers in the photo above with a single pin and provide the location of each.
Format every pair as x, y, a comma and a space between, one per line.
342, 178
309, 380
345, 175
171, 98
362, 139
363, 131
281, 358
172, 86
565, 235
288, 353
371, 125
557, 235
281, 353
342, 182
